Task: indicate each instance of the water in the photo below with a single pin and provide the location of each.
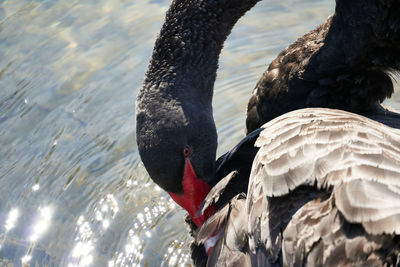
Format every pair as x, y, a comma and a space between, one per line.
72, 189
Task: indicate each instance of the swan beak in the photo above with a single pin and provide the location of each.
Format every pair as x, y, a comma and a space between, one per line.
194, 192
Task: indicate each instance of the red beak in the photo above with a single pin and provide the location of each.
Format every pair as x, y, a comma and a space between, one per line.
194, 192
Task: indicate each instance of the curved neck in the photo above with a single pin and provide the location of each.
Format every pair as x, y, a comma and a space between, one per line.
185, 56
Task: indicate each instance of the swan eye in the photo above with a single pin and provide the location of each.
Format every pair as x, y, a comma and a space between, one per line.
186, 151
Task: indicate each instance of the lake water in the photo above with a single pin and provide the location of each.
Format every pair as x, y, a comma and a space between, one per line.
72, 189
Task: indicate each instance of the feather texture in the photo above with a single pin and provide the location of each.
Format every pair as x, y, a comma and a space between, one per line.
216, 191
232, 245
320, 176
324, 190
321, 145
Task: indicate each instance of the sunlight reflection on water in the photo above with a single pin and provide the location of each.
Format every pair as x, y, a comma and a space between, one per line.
11, 219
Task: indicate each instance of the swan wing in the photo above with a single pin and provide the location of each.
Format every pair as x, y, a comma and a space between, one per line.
320, 176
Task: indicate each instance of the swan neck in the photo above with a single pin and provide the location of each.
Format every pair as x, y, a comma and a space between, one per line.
364, 35
185, 56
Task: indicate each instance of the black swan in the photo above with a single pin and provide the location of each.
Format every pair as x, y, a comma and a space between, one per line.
313, 186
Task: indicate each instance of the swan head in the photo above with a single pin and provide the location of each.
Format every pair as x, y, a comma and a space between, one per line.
177, 143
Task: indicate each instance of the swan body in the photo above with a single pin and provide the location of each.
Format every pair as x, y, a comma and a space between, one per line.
313, 186
342, 64
323, 191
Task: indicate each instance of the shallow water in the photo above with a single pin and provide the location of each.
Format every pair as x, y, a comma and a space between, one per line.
72, 189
